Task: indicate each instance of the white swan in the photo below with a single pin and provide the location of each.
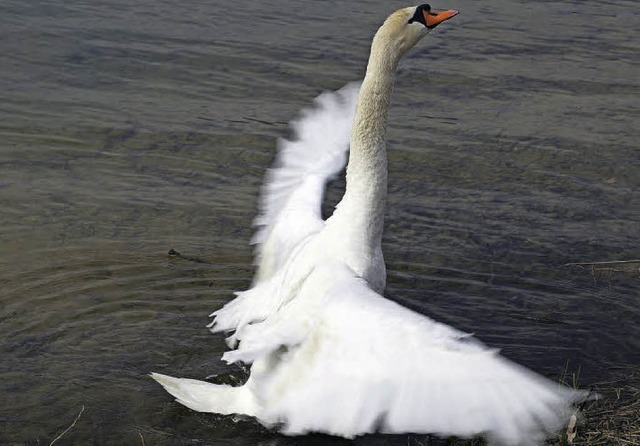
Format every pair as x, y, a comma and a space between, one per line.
328, 352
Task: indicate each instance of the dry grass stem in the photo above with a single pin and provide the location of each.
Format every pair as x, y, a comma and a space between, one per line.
69, 428
613, 420
606, 269
610, 262
571, 429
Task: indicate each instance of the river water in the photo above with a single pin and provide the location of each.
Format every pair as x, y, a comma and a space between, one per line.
130, 128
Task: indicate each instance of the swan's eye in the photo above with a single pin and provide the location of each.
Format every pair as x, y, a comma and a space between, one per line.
430, 19
418, 16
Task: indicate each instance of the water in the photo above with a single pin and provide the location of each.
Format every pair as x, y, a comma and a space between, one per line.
129, 128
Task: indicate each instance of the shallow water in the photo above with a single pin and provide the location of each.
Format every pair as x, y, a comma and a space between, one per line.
130, 128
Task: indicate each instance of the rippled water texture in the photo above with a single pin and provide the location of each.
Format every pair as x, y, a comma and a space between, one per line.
129, 128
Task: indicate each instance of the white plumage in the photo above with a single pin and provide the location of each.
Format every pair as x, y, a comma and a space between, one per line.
328, 352
292, 194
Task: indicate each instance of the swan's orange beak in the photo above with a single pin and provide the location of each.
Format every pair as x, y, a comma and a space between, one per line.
433, 18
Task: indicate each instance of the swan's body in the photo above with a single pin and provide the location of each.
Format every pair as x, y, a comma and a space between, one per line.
328, 352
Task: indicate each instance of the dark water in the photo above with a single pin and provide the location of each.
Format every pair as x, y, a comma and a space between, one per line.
129, 128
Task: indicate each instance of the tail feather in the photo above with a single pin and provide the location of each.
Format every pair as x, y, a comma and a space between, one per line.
206, 397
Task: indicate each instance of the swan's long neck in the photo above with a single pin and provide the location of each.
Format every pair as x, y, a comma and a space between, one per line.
366, 191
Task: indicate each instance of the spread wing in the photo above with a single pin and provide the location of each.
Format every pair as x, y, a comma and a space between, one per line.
342, 359
290, 204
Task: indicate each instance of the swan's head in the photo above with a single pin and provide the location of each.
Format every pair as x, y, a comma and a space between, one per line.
405, 27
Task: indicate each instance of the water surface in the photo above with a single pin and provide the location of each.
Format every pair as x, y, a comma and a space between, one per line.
130, 128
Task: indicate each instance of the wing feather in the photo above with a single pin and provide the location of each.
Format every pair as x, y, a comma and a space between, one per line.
342, 359
291, 199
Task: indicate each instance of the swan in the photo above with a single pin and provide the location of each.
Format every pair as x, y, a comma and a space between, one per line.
328, 352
